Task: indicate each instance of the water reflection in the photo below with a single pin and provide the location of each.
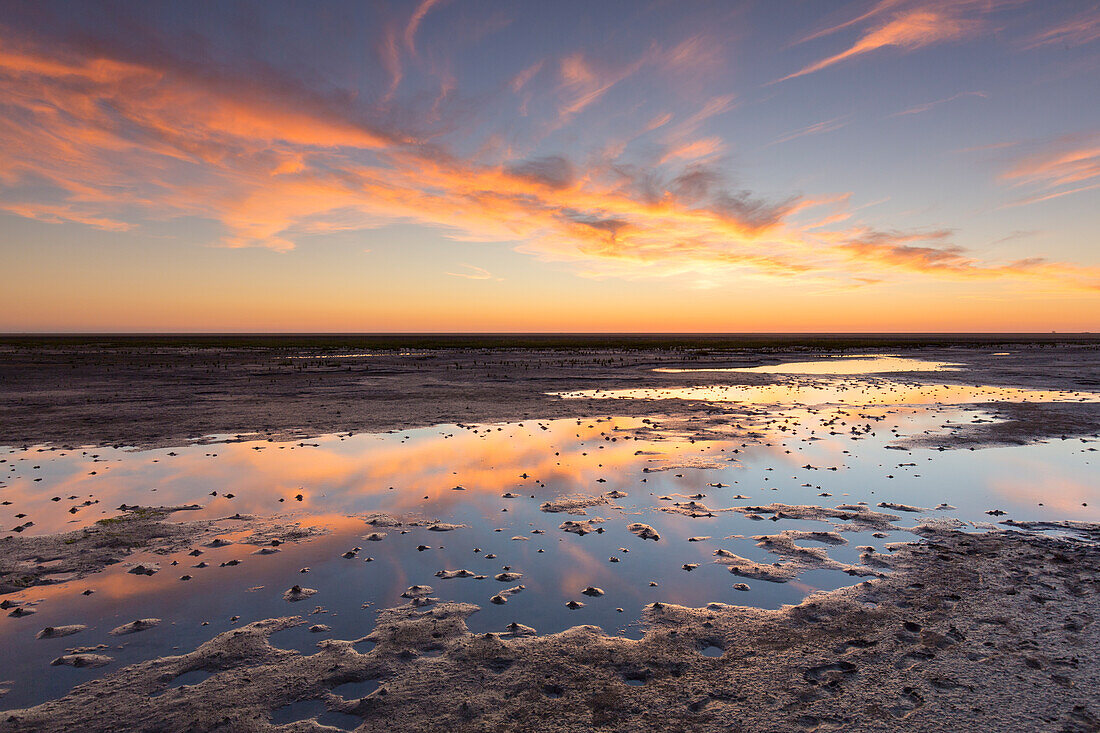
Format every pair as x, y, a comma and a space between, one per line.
435, 470
844, 365
810, 453
839, 391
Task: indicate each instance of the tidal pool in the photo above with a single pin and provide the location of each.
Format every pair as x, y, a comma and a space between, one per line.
820, 443
841, 365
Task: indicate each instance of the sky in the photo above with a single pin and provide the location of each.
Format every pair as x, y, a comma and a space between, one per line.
641, 166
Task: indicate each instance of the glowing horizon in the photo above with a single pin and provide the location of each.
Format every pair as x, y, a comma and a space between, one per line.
884, 166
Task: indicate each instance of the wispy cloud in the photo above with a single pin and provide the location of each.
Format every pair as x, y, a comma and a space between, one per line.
583, 82
1081, 29
876, 9
703, 149
418, 16
1039, 198
389, 52
1017, 234
683, 139
990, 146
930, 105
520, 80
58, 214
907, 26
473, 272
815, 129
1063, 167
910, 25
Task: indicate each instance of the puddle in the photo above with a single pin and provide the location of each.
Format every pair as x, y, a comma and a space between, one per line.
315, 709
356, 690
193, 677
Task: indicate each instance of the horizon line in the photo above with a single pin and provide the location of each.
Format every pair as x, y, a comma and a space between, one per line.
23, 334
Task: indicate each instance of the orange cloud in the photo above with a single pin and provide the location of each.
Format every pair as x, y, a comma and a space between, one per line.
1059, 167
910, 26
702, 149
119, 142
896, 251
875, 10
1067, 166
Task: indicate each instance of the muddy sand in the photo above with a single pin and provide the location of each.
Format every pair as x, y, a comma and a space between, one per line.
28, 561
158, 391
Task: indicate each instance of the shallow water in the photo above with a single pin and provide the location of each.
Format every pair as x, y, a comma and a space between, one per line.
851, 392
844, 365
828, 437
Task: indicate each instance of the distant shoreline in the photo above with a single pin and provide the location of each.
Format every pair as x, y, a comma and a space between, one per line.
500, 340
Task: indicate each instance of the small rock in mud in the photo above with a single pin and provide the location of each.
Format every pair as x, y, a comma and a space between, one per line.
54, 632
644, 531
417, 591
444, 527
82, 660
297, 593
135, 626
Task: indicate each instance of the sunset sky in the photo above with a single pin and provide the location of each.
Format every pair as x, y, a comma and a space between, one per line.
456, 165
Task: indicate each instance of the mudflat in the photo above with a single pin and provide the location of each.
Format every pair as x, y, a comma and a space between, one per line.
876, 534
160, 390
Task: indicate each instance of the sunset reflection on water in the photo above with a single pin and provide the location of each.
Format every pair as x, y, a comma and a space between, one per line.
823, 452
